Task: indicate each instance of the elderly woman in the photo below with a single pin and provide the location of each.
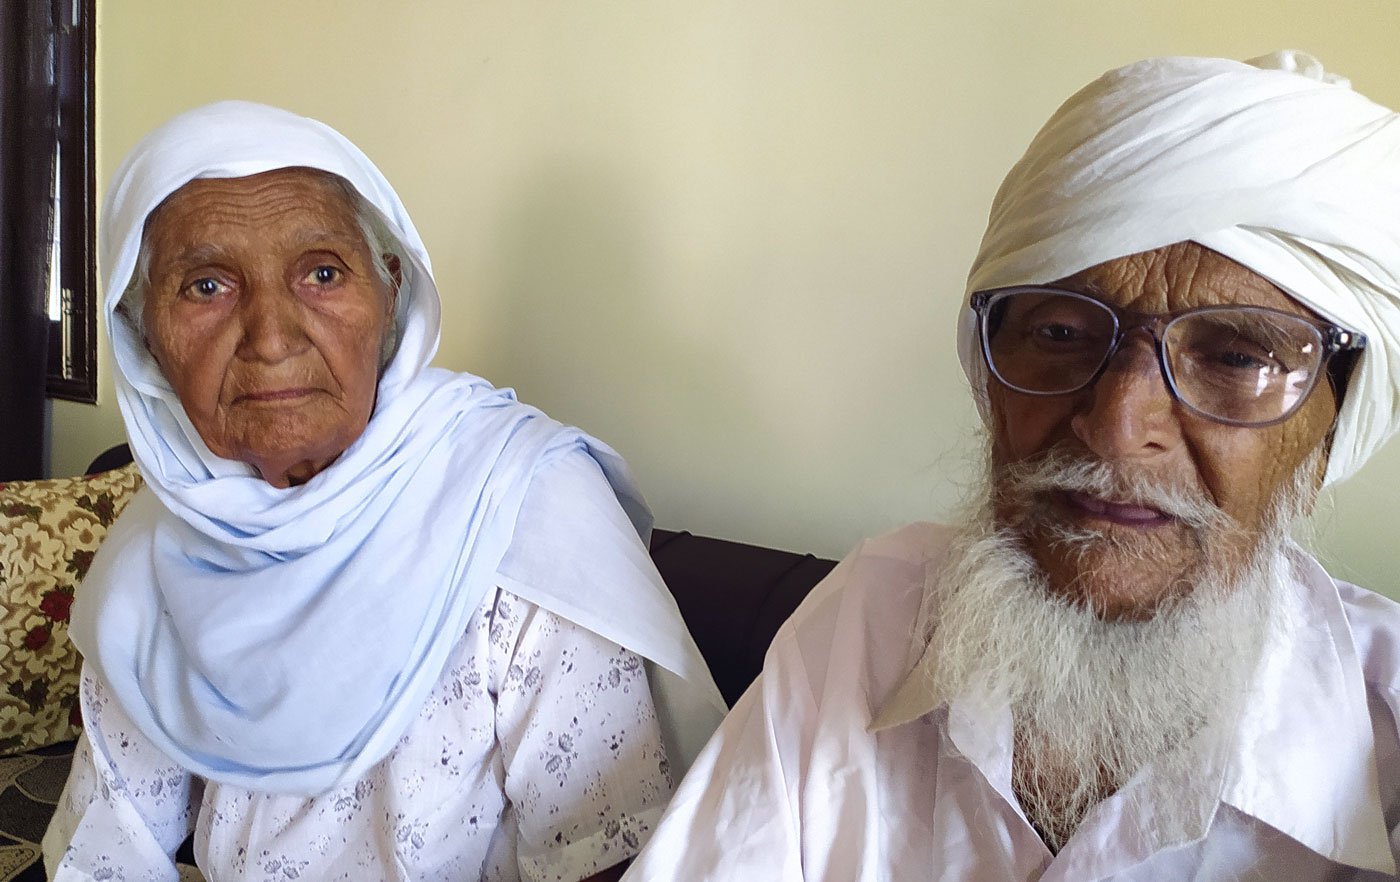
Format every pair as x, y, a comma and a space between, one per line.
370, 619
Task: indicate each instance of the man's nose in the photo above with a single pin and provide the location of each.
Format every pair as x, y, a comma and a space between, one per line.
1129, 412
272, 322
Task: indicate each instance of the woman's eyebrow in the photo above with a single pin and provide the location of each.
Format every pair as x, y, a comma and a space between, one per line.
314, 238
202, 253
190, 257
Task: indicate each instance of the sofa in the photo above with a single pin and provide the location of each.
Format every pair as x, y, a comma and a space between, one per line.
733, 596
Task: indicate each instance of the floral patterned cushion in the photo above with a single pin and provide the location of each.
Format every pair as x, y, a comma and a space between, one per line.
49, 531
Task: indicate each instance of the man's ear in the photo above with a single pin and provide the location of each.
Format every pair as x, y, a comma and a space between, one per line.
1319, 474
1322, 462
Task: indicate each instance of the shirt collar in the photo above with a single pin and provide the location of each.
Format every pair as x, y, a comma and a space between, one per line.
913, 698
1303, 755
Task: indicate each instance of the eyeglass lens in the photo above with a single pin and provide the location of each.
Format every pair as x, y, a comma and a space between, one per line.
1238, 364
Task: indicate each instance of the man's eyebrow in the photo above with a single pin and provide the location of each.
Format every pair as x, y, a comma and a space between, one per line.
1081, 286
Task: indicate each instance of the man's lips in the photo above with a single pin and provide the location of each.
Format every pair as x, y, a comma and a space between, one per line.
1116, 512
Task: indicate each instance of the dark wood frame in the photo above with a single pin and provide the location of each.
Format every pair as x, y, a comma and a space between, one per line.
75, 336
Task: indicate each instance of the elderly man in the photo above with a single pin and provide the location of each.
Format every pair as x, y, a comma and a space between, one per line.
1182, 322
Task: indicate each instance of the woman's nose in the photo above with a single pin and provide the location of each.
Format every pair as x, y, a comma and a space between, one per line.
272, 323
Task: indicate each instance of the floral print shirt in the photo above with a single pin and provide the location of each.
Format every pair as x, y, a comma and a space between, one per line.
536, 757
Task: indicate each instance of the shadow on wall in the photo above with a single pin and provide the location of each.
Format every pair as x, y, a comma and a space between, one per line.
591, 337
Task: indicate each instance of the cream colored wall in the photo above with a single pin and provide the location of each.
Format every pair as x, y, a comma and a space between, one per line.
728, 237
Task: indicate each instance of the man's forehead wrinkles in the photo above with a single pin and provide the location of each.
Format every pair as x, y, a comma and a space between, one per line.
1177, 277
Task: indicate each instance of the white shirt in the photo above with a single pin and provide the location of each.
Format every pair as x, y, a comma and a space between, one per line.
536, 757
801, 783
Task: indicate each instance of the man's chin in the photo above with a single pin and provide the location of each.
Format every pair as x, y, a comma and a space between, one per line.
1117, 580
1115, 601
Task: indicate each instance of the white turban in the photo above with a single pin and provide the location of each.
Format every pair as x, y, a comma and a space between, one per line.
1273, 163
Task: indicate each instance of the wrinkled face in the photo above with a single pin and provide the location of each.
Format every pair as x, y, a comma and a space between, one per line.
265, 313
1129, 420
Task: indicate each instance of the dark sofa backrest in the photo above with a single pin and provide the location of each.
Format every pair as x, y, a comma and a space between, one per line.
111, 458
734, 597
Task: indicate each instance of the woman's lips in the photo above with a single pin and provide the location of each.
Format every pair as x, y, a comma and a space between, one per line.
1116, 512
273, 396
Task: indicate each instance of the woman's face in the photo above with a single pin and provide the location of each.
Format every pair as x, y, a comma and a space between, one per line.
266, 314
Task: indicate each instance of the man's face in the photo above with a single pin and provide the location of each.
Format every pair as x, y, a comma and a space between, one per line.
1129, 421
266, 315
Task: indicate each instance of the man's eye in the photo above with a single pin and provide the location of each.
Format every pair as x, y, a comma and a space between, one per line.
324, 275
1247, 361
1055, 332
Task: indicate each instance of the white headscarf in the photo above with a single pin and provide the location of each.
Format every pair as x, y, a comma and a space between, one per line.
284, 639
1273, 163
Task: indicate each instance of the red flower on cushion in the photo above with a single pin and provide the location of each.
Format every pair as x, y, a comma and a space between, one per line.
20, 510
55, 605
37, 638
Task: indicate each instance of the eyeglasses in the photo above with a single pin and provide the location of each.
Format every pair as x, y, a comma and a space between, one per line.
1239, 365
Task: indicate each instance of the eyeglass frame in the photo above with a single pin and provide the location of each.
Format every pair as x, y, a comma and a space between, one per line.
1335, 340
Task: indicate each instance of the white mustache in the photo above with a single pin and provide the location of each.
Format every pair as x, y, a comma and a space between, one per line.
1058, 471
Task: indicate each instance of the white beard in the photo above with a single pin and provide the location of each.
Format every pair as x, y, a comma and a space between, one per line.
1095, 700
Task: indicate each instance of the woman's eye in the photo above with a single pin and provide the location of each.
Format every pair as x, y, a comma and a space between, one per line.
324, 275
204, 289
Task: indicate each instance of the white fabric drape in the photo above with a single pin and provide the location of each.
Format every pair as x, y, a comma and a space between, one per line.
283, 639
1273, 163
